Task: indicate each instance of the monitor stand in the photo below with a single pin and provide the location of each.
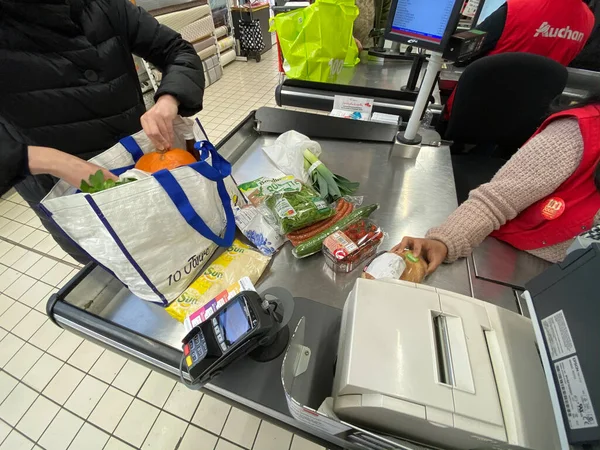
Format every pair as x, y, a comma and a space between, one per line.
410, 136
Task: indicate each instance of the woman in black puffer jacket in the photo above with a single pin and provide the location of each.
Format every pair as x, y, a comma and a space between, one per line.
69, 88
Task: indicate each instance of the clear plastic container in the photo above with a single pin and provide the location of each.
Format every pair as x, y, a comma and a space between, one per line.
346, 249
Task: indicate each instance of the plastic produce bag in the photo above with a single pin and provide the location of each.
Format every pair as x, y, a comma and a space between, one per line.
259, 229
317, 41
236, 262
298, 209
287, 153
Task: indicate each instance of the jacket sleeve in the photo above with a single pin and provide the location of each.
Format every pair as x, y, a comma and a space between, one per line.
183, 75
13, 160
493, 25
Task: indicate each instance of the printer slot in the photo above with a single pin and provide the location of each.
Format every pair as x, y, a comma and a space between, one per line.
442, 348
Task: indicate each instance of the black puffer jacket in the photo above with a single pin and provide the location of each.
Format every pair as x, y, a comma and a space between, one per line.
68, 81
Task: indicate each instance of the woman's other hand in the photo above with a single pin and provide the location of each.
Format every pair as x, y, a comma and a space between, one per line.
158, 122
44, 160
433, 251
359, 45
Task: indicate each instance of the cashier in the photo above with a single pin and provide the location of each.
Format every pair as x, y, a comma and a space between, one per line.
69, 89
547, 194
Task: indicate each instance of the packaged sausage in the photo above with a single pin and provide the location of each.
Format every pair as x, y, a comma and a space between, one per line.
347, 248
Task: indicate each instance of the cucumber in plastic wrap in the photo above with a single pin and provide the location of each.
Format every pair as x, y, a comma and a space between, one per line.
313, 245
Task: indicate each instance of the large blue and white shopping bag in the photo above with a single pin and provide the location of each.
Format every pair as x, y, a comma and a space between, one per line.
157, 233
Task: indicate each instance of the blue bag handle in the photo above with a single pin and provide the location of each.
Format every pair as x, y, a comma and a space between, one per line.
220, 169
132, 147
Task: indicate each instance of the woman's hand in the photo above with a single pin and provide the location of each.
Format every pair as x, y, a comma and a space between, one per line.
434, 252
359, 45
158, 122
44, 160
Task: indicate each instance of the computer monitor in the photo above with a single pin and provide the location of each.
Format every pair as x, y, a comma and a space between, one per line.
489, 6
423, 23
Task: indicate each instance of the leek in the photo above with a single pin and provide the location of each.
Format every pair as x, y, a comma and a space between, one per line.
329, 185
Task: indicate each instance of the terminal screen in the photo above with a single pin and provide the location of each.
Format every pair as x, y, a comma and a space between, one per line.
422, 19
234, 322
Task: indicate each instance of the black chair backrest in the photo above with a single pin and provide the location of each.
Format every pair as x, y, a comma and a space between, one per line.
502, 99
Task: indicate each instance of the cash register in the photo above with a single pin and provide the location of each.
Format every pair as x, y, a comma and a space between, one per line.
455, 372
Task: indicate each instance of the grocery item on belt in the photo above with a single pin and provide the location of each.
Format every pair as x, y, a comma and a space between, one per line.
416, 268
345, 249
259, 229
297, 209
405, 266
385, 266
342, 209
236, 262
313, 245
257, 191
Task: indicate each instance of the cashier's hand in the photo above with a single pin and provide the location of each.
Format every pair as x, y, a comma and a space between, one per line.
433, 251
158, 122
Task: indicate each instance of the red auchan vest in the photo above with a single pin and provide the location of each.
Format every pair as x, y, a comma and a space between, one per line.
542, 224
556, 29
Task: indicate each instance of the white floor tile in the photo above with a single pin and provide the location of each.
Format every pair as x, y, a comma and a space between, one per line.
165, 433
21, 233
108, 366
29, 325
211, 414
8, 347
3, 333
5, 247
225, 445
5, 430
16, 441
5, 303
56, 274
156, 389
46, 244
35, 294
26, 261
89, 438
13, 255
241, 428
183, 401
63, 384
61, 431
87, 395
137, 422
115, 444
111, 408
13, 315
40, 268
271, 437
86, 355
46, 335
7, 384
9, 276
65, 345
299, 443
197, 439
34, 238
9, 228
131, 377
37, 418
17, 403
26, 216
23, 360
57, 252
20, 286
15, 211
42, 372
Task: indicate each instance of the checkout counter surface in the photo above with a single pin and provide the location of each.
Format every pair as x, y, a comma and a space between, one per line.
414, 194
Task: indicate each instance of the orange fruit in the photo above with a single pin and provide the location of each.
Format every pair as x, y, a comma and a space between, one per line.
171, 159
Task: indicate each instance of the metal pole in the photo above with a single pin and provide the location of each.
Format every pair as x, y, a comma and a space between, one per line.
410, 135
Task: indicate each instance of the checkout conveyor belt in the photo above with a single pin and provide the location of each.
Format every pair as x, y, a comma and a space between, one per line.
414, 194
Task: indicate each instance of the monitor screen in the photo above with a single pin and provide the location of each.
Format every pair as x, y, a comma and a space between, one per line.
489, 6
423, 23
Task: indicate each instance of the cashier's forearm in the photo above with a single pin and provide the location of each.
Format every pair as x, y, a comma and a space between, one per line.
532, 174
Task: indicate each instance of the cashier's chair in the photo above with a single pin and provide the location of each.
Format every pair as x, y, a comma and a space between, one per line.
500, 101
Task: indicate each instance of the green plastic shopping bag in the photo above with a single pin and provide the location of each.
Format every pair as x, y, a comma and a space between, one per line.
317, 41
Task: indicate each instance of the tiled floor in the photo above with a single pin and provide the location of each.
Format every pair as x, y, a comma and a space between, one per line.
60, 392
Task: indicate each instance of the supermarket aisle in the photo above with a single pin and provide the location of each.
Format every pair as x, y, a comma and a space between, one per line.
59, 392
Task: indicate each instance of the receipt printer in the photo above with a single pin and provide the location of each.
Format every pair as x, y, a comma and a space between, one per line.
441, 368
